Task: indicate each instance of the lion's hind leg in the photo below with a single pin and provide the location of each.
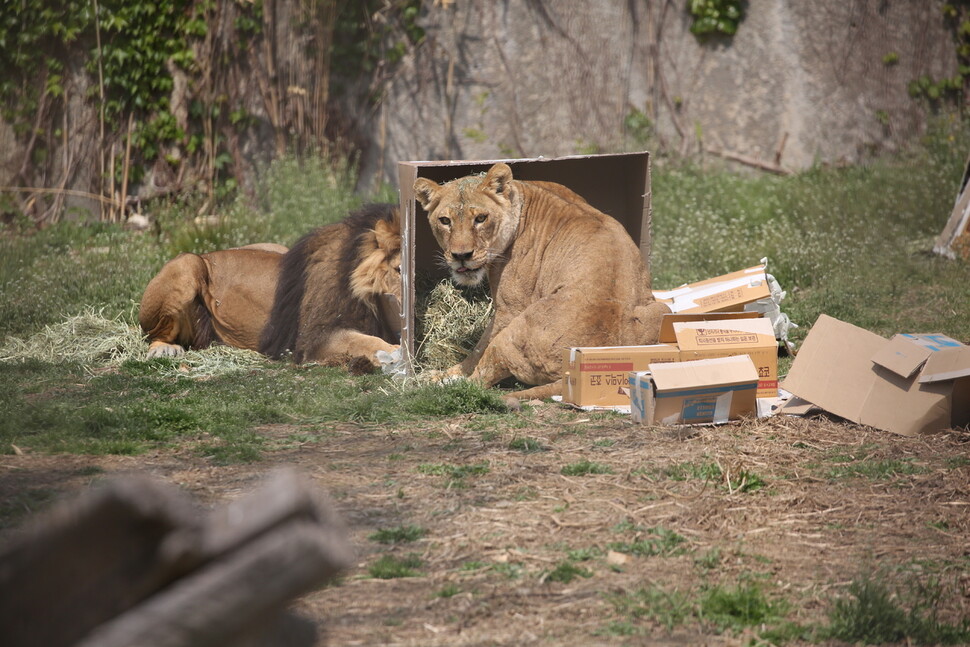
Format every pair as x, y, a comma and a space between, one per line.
169, 307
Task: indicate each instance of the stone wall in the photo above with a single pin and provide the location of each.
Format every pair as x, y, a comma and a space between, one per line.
800, 82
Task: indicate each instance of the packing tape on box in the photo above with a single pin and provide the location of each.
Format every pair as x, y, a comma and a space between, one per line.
722, 408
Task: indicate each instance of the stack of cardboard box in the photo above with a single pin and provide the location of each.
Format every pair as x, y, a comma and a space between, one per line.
684, 369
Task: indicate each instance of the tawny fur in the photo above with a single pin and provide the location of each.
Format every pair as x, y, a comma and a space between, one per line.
561, 274
318, 299
325, 309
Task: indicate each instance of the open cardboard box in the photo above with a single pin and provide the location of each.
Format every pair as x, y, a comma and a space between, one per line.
618, 185
907, 385
703, 391
598, 376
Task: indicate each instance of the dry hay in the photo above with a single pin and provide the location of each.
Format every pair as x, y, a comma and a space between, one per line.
94, 340
453, 322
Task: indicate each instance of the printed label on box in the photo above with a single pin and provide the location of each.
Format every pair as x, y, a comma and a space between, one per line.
712, 301
707, 337
698, 409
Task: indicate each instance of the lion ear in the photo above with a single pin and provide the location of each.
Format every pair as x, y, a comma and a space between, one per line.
497, 179
388, 236
426, 192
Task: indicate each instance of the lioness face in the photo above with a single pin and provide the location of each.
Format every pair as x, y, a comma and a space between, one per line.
473, 219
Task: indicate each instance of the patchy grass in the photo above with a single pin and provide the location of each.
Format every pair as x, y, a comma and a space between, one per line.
398, 535
389, 567
650, 542
584, 467
527, 444
566, 572
873, 614
141, 405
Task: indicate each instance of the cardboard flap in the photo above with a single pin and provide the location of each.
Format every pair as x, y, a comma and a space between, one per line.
668, 336
727, 292
738, 369
833, 368
901, 356
693, 335
946, 365
941, 358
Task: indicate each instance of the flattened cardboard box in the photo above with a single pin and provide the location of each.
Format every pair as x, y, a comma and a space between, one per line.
694, 392
907, 385
598, 376
616, 184
727, 293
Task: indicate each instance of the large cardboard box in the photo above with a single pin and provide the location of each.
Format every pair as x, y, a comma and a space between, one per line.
618, 185
694, 392
598, 376
906, 385
727, 293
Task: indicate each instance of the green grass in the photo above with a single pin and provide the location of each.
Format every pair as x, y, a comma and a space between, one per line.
527, 444
566, 572
447, 591
62, 408
729, 609
584, 467
875, 469
657, 541
455, 474
389, 567
739, 481
873, 614
857, 462
398, 535
744, 605
852, 242
669, 609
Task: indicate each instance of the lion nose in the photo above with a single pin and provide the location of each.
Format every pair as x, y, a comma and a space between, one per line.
461, 256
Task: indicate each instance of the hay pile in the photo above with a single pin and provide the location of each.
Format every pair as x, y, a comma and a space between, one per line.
95, 341
452, 322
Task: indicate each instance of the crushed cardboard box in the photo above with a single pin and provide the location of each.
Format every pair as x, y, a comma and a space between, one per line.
599, 376
907, 385
750, 290
704, 391
727, 293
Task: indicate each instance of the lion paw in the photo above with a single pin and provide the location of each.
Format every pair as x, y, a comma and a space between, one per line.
162, 349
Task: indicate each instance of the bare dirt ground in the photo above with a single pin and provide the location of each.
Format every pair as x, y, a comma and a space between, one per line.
835, 501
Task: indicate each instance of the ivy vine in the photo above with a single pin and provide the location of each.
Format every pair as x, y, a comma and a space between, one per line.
951, 89
715, 16
128, 48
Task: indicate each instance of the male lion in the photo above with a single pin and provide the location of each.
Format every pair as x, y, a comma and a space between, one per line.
560, 273
318, 300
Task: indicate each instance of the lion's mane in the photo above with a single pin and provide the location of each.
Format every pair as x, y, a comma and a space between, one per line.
330, 280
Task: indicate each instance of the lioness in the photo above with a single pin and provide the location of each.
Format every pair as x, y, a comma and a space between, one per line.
318, 299
560, 273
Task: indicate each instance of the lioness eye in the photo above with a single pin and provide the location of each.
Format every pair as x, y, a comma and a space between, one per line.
480, 218
444, 221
